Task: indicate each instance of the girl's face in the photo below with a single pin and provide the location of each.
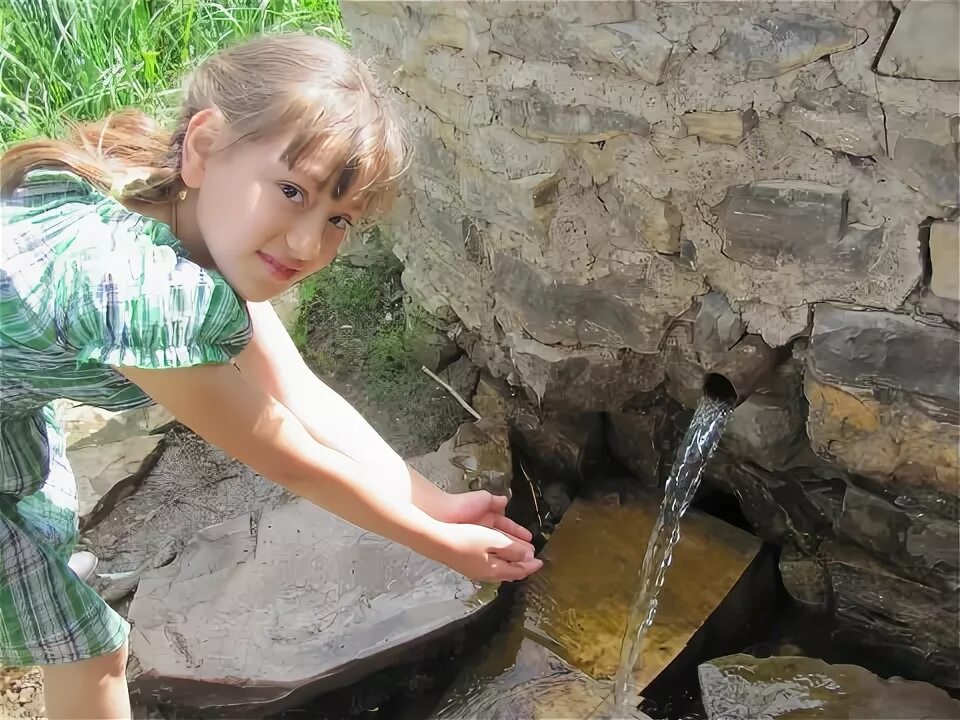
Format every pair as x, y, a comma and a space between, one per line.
262, 225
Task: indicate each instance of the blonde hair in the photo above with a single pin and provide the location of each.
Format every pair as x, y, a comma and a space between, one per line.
291, 82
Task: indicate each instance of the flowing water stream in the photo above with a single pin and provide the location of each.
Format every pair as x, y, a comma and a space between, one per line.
698, 445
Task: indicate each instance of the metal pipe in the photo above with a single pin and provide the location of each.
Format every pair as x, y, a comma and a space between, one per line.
734, 375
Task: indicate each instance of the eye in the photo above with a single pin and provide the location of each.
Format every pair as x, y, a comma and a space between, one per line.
340, 222
292, 192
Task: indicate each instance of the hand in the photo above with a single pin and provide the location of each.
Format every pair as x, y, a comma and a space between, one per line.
480, 508
487, 554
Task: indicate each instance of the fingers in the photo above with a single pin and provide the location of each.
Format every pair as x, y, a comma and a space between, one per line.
514, 550
508, 526
509, 571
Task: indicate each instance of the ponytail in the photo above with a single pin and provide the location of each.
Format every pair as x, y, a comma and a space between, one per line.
127, 154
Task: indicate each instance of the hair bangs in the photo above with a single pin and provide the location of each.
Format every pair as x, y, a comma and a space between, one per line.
361, 146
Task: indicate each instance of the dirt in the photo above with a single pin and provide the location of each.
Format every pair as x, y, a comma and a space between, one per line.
21, 694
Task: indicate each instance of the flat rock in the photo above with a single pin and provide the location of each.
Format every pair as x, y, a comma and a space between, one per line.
920, 46
742, 687
294, 599
107, 448
579, 602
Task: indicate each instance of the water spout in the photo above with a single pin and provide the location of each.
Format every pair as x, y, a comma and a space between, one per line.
733, 376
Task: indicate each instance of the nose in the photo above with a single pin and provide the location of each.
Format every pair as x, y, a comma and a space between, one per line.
306, 241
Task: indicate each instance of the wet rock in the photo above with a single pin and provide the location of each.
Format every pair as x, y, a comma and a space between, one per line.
879, 608
533, 114
645, 441
838, 119
768, 45
945, 259
917, 46
556, 453
916, 532
872, 407
729, 128
313, 602
738, 687
767, 224
584, 621
806, 579
537, 685
630, 47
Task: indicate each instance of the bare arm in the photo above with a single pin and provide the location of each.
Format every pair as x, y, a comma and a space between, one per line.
272, 361
218, 404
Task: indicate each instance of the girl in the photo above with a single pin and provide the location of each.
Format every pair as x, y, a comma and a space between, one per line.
138, 267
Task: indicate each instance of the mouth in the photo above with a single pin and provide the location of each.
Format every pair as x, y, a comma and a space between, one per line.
277, 268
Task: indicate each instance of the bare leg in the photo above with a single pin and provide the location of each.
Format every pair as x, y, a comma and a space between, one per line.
93, 689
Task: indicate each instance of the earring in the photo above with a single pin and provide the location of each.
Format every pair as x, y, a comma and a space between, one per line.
182, 195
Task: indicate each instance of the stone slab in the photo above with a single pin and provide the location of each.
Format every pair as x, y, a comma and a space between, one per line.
578, 603
293, 599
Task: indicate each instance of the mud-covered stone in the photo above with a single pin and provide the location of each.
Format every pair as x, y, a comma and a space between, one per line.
921, 43
838, 119
742, 687
293, 599
925, 150
765, 45
945, 260
609, 311
633, 48
533, 114
593, 379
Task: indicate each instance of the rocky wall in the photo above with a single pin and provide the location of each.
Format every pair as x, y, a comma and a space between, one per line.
607, 194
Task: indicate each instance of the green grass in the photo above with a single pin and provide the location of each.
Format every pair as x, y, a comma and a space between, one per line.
81, 59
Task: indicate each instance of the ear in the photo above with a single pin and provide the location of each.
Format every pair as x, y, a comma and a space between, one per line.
202, 132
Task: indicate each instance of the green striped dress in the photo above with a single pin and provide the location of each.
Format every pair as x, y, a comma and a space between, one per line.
85, 285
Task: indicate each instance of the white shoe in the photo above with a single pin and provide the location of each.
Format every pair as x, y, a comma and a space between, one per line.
83, 563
